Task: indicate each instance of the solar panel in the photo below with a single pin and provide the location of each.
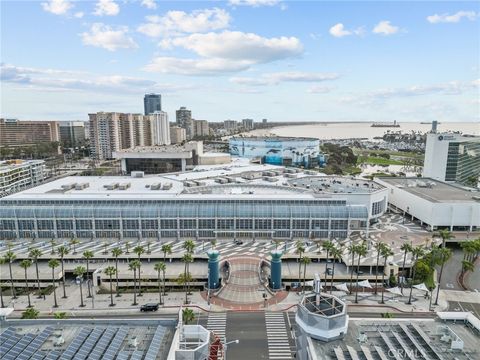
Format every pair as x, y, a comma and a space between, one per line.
39, 355
5, 335
123, 355
116, 343
137, 355
89, 343
156, 343
11, 341
18, 348
75, 344
102, 344
35, 344
53, 355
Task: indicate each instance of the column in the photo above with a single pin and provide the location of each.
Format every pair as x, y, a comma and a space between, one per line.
276, 270
184, 164
213, 269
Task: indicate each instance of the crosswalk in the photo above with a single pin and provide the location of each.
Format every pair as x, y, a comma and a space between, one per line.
277, 336
217, 322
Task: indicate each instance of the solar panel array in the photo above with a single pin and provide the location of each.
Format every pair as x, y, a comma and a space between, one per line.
116, 343
75, 344
10, 343
33, 347
5, 335
18, 347
102, 344
137, 355
156, 343
123, 355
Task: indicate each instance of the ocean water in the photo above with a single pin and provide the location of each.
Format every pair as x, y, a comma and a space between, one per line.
361, 130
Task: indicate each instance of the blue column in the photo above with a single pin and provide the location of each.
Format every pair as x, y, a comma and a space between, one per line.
276, 269
213, 271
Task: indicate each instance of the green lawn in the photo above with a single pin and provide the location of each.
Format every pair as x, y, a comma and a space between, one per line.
377, 161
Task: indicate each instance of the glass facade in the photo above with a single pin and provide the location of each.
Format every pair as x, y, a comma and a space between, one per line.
463, 162
200, 219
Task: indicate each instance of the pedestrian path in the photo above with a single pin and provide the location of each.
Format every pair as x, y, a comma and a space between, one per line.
217, 322
277, 336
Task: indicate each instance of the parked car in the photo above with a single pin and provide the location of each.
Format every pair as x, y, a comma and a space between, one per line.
149, 307
360, 272
329, 271
295, 285
238, 242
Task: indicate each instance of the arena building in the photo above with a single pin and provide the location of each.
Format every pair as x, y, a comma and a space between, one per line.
239, 200
279, 150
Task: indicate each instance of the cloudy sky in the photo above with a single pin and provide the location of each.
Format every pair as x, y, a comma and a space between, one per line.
281, 60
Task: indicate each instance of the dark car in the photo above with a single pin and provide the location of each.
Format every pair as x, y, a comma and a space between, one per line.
329, 271
238, 242
149, 307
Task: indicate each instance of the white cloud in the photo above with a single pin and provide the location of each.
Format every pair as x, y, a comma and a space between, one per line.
319, 89
78, 14
106, 7
279, 77
57, 7
211, 66
253, 3
339, 30
150, 4
178, 22
106, 37
454, 18
236, 45
385, 28
449, 88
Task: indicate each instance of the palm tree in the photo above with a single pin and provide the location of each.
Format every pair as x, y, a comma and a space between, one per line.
35, 254
87, 255
361, 251
336, 254
444, 255
127, 247
166, 249
328, 246
74, 242
10, 258
30, 313
378, 248
189, 246
300, 249
110, 271
467, 266
25, 264
213, 242
406, 248
417, 252
148, 247
52, 264
386, 252
62, 251
139, 250
79, 271
445, 235
352, 250
183, 279
188, 316
116, 252
187, 259
105, 246
53, 242
133, 266
305, 261
2, 261
160, 267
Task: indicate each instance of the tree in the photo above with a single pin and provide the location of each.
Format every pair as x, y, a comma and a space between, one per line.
183, 279
417, 252
10, 258
53, 242
187, 259
105, 246
25, 264
30, 313
74, 242
35, 254
62, 251
467, 266
213, 242
139, 250
305, 261
133, 266
188, 316
444, 255
127, 247
189, 246
378, 248
445, 235
79, 271
116, 252
300, 249
160, 267
361, 251
52, 264
167, 250
87, 255
327, 246
110, 271
406, 248
60, 315
2, 261
336, 254
352, 250
385, 253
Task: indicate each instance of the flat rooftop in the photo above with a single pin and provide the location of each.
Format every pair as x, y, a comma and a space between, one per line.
433, 190
273, 138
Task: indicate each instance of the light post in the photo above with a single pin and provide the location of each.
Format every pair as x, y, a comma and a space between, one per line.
226, 345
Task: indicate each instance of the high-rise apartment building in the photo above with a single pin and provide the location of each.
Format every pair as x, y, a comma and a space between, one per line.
184, 120
452, 157
230, 125
152, 103
177, 134
72, 133
201, 128
161, 128
14, 132
16, 175
247, 124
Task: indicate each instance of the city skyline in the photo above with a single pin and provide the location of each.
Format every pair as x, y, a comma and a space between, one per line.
311, 61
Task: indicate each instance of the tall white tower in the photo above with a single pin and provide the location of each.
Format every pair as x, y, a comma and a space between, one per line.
161, 128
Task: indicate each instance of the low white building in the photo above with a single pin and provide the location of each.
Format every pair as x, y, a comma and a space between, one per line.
434, 203
16, 175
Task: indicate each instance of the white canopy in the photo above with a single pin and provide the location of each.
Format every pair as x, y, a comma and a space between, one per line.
421, 287
342, 287
395, 290
365, 284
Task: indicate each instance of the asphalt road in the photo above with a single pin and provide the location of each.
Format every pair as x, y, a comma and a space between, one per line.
464, 306
250, 330
451, 270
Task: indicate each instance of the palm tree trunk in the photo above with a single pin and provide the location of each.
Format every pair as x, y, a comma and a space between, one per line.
54, 289
383, 280
11, 280
403, 270
333, 272
111, 291
116, 276
38, 279
304, 276
159, 289
1, 296
411, 284
88, 286
81, 294
63, 281
376, 273
164, 289
326, 266
28, 292
439, 282
139, 278
351, 272
299, 267
134, 287
356, 287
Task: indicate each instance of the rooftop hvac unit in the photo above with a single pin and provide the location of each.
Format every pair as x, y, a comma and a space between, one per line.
68, 186
137, 174
189, 183
199, 183
124, 186
167, 186
111, 186
156, 186
81, 186
268, 173
270, 179
290, 175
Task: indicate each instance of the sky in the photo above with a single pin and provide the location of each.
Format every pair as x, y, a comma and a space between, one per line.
234, 59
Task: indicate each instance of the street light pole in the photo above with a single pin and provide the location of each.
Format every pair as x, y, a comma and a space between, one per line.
226, 345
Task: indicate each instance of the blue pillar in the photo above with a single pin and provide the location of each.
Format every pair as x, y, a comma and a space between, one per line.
213, 271
276, 269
